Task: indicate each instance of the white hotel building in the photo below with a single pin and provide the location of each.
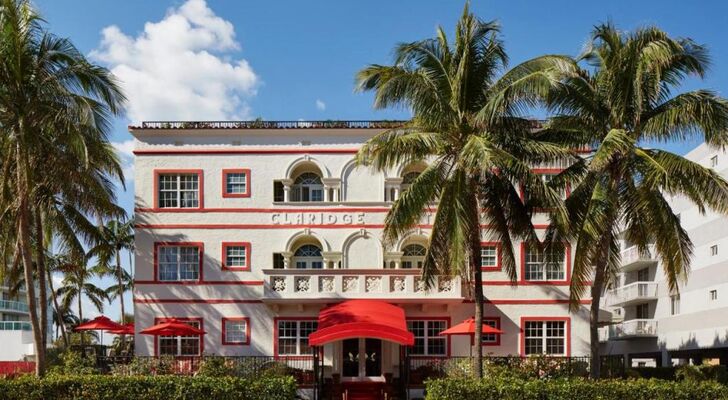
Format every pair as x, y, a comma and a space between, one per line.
250, 229
656, 327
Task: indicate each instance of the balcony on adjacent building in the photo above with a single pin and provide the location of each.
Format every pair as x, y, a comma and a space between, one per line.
291, 285
633, 328
15, 326
633, 259
633, 293
10, 306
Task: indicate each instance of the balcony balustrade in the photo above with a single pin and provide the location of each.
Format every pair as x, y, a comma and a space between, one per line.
327, 284
17, 306
633, 293
634, 328
15, 326
633, 259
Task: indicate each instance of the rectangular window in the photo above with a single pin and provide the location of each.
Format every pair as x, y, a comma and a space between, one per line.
428, 341
178, 263
278, 192
235, 331
544, 265
713, 295
675, 304
545, 337
293, 337
236, 183
642, 311
180, 345
714, 161
491, 339
236, 256
489, 257
178, 190
714, 250
643, 275
278, 261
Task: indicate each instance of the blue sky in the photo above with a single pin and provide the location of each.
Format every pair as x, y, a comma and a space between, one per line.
292, 59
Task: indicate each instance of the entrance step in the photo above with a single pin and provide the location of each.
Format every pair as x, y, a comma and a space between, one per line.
363, 391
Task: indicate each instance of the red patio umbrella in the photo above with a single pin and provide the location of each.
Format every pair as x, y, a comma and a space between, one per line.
172, 327
467, 327
127, 329
100, 323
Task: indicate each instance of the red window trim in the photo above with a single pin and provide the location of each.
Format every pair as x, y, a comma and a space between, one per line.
225, 173
497, 337
447, 340
223, 259
522, 278
567, 329
498, 266
159, 320
223, 337
275, 338
200, 248
200, 191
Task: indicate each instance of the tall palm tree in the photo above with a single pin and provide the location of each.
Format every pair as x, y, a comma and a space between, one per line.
467, 125
48, 90
77, 284
57, 263
618, 97
116, 236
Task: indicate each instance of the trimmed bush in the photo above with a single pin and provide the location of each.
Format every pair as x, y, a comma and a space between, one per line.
100, 387
572, 389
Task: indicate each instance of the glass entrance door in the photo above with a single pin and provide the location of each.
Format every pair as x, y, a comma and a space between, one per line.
361, 358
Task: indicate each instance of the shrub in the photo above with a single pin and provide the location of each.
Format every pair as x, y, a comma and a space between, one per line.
73, 363
572, 389
705, 372
666, 373
102, 387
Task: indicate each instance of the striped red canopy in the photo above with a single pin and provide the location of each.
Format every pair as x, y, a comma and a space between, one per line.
362, 319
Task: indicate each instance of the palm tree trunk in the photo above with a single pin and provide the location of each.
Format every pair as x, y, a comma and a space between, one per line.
120, 292
478, 297
596, 297
24, 243
59, 317
41, 273
80, 312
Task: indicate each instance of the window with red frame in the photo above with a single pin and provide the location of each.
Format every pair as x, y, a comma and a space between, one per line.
236, 182
489, 256
545, 265
545, 337
491, 339
178, 263
293, 337
178, 190
235, 331
236, 256
180, 345
428, 341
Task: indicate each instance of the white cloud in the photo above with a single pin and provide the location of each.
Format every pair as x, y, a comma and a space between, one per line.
320, 105
125, 150
181, 67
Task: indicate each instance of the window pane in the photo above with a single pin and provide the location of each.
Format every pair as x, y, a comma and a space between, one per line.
168, 345
235, 256
236, 183
236, 331
490, 337
189, 345
488, 256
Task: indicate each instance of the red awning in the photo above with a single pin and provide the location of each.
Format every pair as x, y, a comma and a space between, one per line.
100, 323
362, 319
173, 327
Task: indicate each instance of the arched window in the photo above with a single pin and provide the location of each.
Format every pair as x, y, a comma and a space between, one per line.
307, 187
308, 256
407, 180
414, 256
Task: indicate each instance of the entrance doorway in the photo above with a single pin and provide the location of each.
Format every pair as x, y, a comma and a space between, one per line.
362, 359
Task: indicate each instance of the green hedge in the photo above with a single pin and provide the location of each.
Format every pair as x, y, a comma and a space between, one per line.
573, 389
99, 387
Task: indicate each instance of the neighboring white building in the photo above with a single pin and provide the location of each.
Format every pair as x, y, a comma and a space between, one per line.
250, 229
663, 328
16, 334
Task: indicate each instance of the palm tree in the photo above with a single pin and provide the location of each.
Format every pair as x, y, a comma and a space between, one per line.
57, 263
468, 125
77, 284
51, 97
115, 237
618, 97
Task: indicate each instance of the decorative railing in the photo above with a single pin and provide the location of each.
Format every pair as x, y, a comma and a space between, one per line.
13, 305
634, 328
351, 283
632, 254
631, 292
270, 124
541, 367
14, 326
